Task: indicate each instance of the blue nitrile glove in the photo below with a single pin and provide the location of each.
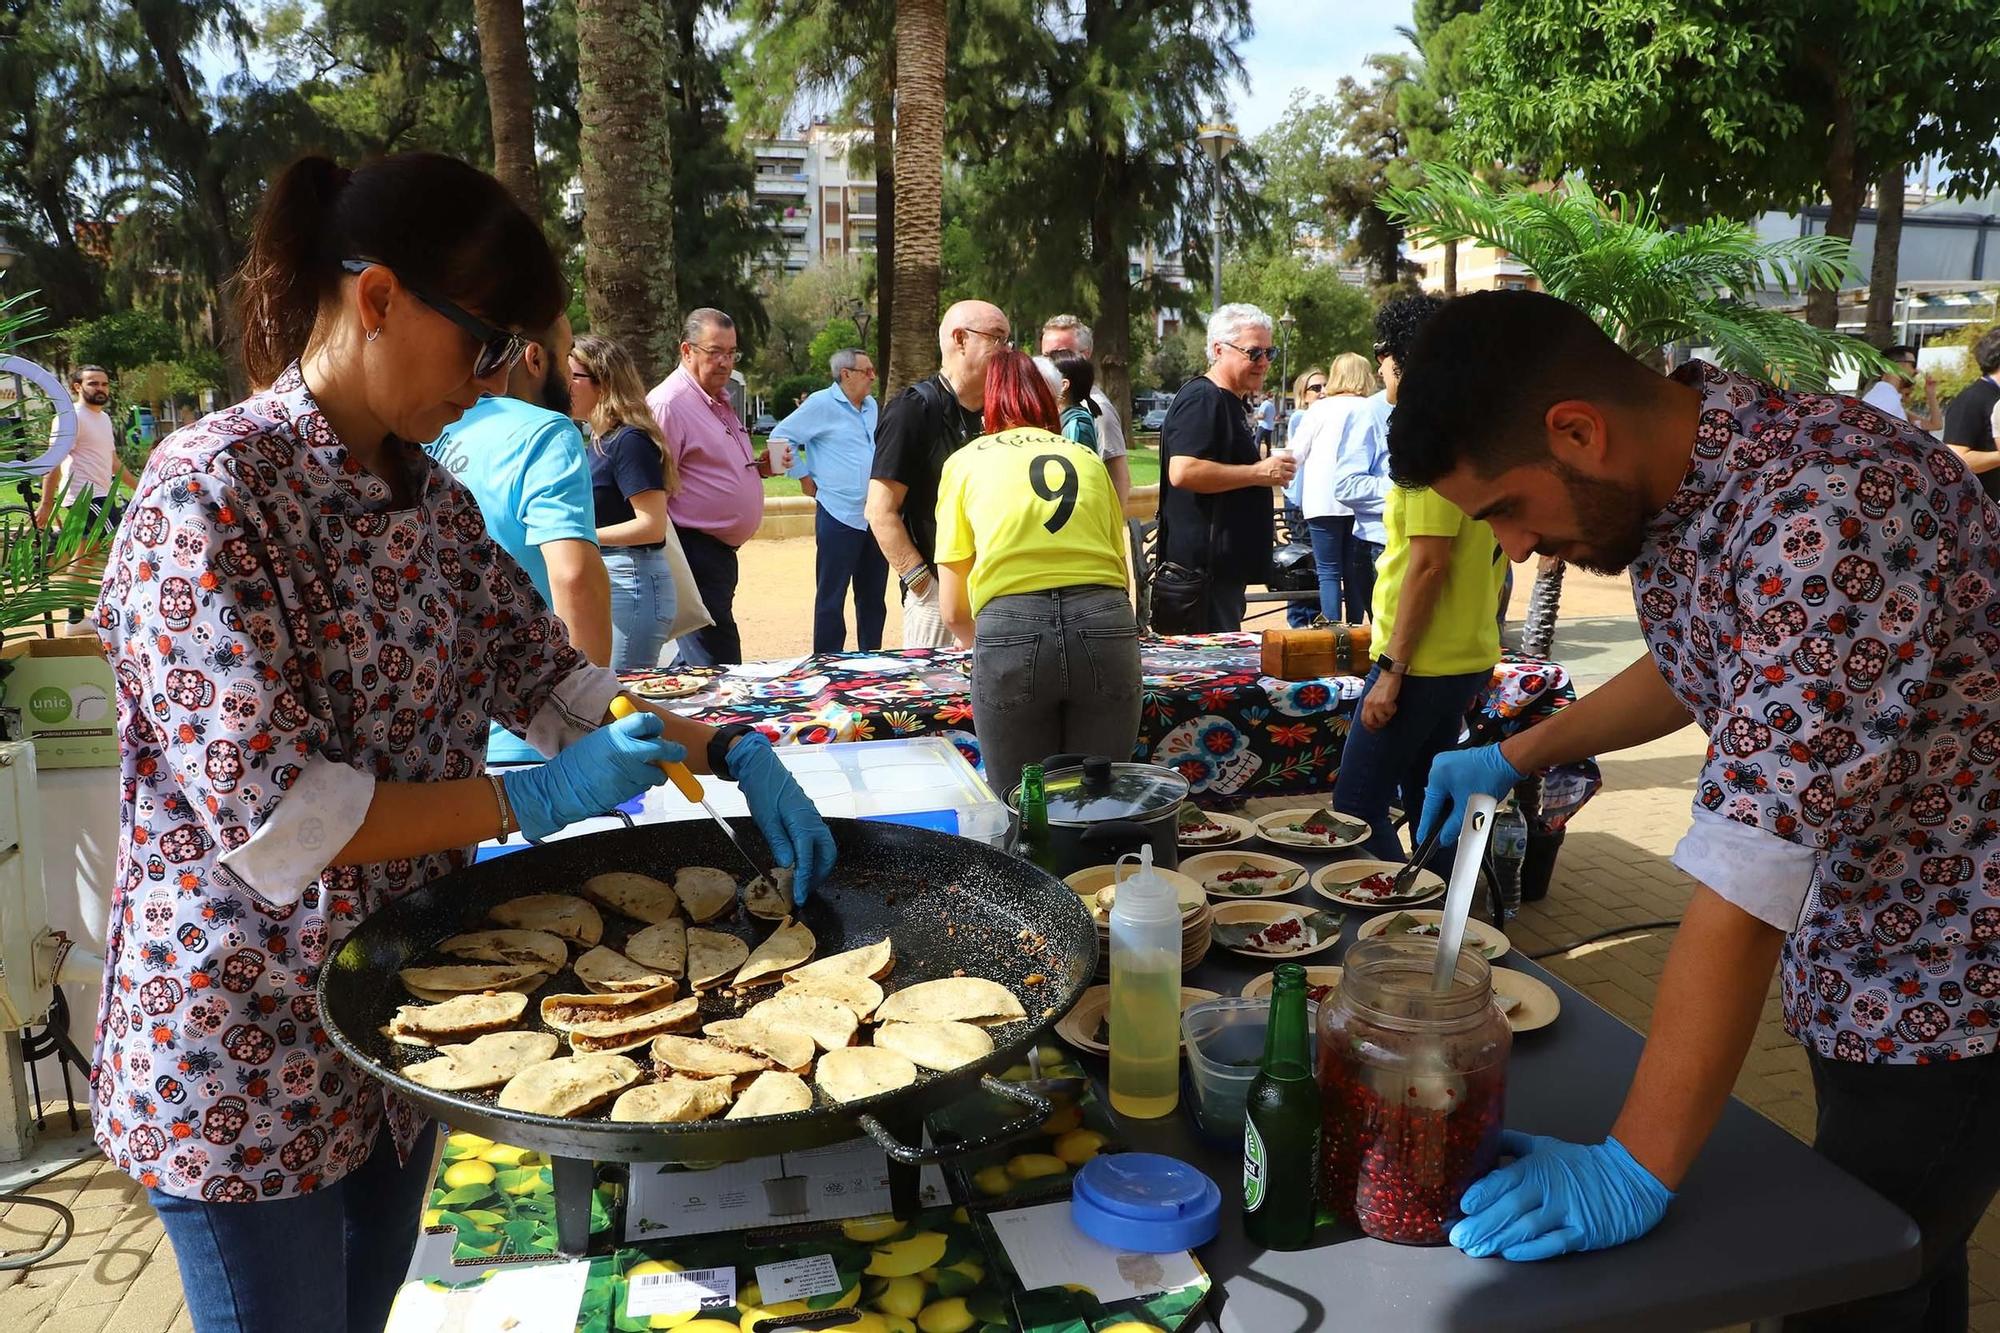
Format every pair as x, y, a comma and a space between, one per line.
785, 815
594, 776
1557, 1197
1456, 775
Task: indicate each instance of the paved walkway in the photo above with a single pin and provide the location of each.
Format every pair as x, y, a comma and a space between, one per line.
117, 1273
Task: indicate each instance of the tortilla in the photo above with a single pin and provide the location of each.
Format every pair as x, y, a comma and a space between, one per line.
663, 948
469, 978
606, 971
870, 960
787, 1048
705, 1059
569, 1085
829, 1023
854, 1072
636, 1030
856, 992
563, 1012
460, 1018
713, 955
963, 999
559, 914
640, 897
772, 1093
705, 892
942, 1046
485, 1062
526, 987
790, 945
770, 896
530, 947
675, 1101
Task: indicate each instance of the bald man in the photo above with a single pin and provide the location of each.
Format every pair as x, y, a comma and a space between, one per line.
919, 429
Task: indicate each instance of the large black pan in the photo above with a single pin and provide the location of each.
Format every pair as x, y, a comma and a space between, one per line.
949, 905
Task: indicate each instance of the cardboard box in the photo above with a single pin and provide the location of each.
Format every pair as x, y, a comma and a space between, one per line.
58, 693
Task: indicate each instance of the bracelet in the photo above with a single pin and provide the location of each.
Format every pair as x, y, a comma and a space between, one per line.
914, 575
508, 824
718, 747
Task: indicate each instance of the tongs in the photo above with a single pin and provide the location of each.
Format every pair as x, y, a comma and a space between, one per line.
1406, 878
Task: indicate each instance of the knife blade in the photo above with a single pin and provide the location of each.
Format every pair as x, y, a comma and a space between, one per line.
689, 786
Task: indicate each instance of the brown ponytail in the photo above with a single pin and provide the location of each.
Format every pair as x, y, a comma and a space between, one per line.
440, 224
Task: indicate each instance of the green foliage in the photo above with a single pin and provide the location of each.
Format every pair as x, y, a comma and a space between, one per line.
1333, 316
801, 305
785, 394
1647, 286
1952, 381
1179, 358
119, 341
839, 333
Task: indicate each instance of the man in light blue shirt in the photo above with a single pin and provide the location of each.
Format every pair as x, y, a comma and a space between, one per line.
833, 439
523, 460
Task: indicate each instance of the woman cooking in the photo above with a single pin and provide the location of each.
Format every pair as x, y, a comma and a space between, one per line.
311, 631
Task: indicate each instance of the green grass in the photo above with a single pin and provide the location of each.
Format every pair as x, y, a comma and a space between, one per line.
1144, 460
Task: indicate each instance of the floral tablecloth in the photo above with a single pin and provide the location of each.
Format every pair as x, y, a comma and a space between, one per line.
1208, 711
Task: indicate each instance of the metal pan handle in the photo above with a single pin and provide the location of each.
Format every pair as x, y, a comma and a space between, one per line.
1039, 1109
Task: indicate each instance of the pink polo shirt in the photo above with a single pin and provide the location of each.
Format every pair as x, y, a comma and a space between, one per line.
721, 493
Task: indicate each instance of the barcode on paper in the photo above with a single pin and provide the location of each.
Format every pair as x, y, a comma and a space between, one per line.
649, 1294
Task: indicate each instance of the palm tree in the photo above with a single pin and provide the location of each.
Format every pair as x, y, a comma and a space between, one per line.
510, 97
628, 179
920, 103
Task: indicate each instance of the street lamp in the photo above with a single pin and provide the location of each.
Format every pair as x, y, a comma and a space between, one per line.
1286, 323
1217, 140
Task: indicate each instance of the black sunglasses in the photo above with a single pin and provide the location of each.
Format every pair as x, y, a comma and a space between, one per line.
499, 349
1254, 353
1316, 388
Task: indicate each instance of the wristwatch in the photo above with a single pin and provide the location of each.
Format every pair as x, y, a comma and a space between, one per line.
718, 747
1391, 667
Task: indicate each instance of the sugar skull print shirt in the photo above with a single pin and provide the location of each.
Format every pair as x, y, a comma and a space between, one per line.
283, 638
1823, 593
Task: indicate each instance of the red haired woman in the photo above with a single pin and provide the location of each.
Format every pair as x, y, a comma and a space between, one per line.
1031, 565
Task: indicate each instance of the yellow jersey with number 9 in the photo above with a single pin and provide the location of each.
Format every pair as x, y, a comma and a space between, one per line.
1032, 511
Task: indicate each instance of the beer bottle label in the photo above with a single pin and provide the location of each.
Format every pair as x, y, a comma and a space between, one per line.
1253, 1166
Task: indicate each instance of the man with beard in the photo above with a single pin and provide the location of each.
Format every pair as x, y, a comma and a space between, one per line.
1819, 586
522, 458
93, 460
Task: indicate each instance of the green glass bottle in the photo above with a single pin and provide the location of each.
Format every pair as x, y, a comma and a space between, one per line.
1281, 1127
1035, 818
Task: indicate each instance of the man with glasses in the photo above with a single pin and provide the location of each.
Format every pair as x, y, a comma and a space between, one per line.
1886, 394
523, 460
721, 499
1215, 491
833, 433
1067, 333
919, 429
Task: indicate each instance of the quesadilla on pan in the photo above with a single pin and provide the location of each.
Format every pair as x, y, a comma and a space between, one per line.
563, 1012
790, 945
787, 1048
705, 1059
568, 1086
640, 897
468, 978
635, 1030
460, 1018
870, 960
712, 955
952, 999
772, 1093
607, 971
535, 948
856, 992
705, 891
557, 913
770, 895
829, 1023
663, 948
674, 1101
942, 1046
854, 1072
486, 1062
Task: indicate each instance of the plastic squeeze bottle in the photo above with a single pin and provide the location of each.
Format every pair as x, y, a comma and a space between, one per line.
1145, 994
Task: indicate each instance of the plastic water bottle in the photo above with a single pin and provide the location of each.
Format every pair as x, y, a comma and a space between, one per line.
1145, 994
1509, 850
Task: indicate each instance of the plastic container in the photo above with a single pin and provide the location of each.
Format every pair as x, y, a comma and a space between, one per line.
1224, 1041
1413, 1088
1145, 994
1145, 1203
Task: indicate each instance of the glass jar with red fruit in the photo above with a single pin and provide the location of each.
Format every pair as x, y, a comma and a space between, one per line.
1413, 1087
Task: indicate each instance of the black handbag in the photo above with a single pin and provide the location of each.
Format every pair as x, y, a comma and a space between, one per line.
1179, 595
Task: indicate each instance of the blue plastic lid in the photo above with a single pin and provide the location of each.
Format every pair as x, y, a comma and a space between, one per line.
1145, 1203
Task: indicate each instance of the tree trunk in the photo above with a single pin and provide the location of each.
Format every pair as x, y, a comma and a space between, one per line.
919, 166
510, 98
1843, 192
1450, 269
628, 179
1111, 334
1881, 330
885, 211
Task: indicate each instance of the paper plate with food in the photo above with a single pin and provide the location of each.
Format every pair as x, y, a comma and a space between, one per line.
1368, 884
1321, 829
1424, 924
1196, 828
1225, 875
671, 685
1098, 887
1087, 1026
1274, 930
1528, 1002
1320, 982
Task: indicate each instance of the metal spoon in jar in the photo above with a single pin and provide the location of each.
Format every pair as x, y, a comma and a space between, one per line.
1478, 826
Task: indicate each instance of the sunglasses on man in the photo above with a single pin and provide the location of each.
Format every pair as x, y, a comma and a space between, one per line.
1254, 353
499, 348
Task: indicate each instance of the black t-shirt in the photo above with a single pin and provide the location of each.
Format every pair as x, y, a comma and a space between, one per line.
1207, 421
919, 429
1969, 422
626, 464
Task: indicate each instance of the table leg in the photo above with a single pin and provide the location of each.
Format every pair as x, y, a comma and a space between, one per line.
575, 1178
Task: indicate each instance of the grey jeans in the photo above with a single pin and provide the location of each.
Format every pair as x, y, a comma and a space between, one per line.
1052, 673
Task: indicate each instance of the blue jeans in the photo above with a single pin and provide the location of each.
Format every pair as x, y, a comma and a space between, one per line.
643, 600
1389, 767
325, 1262
847, 556
1330, 536
1357, 562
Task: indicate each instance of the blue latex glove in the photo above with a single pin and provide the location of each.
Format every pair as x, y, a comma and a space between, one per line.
785, 815
1456, 775
1558, 1197
594, 776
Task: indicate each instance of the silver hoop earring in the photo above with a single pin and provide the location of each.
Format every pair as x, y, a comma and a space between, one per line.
374, 333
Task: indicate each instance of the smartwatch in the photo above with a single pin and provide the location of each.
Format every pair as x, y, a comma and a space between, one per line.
718, 747
1391, 667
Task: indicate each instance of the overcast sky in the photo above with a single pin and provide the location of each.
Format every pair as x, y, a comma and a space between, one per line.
1309, 44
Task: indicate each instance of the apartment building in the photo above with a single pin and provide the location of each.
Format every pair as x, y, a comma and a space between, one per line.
823, 198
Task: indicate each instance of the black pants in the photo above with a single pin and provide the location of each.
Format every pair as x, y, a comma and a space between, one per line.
713, 564
1222, 611
1926, 1138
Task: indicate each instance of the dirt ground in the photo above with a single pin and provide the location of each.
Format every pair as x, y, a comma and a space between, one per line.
774, 599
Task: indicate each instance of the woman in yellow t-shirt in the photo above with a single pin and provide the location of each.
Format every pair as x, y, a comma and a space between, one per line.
1031, 577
